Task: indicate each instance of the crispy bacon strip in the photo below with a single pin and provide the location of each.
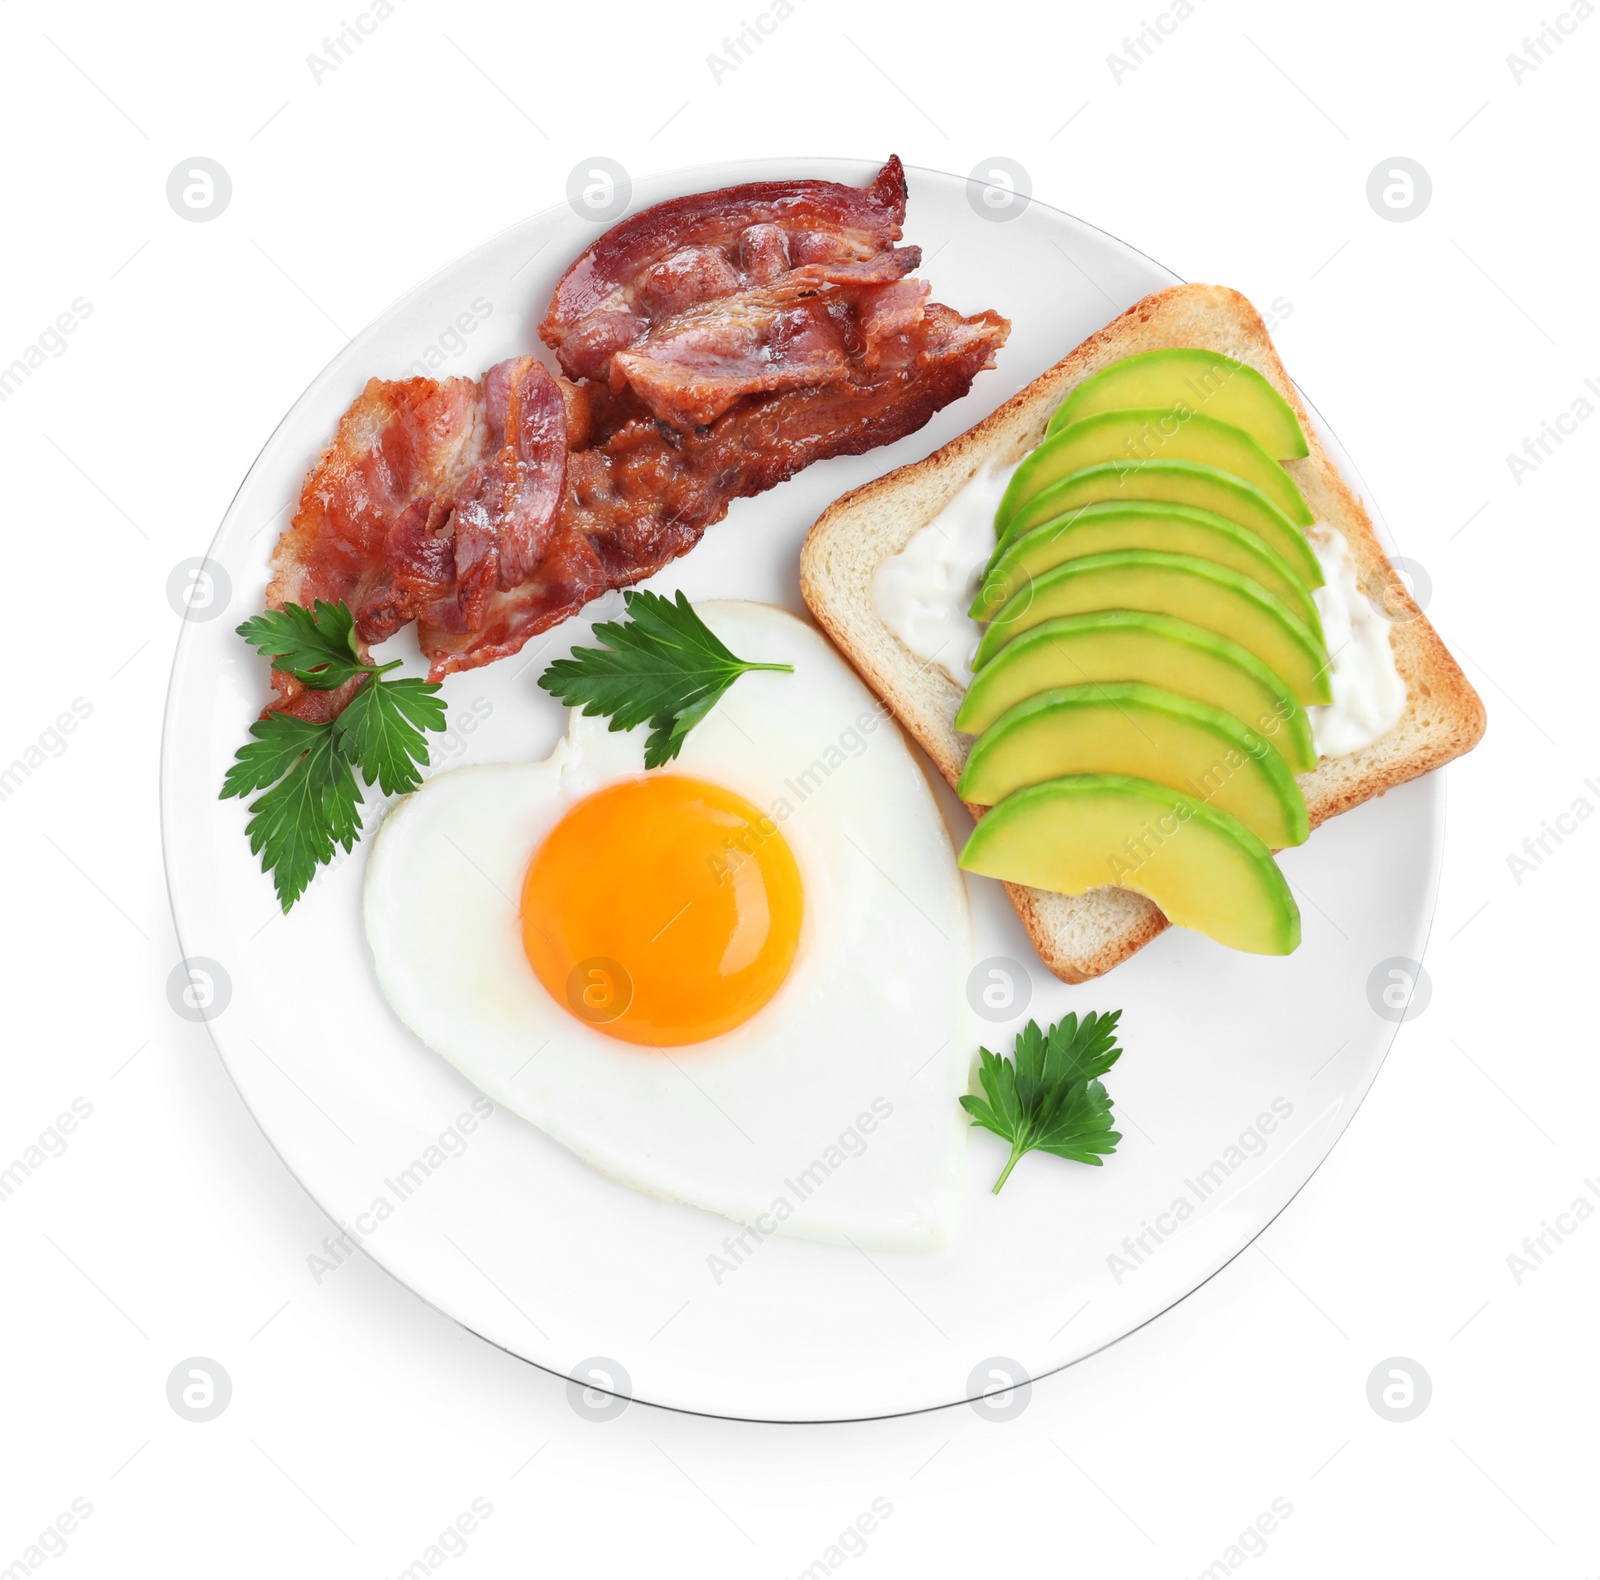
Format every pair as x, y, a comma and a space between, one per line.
691, 366
431, 497
646, 495
495, 533
398, 443
717, 344
399, 446
786, 239
693, 370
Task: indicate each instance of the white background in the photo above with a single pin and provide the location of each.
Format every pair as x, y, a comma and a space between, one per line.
362, 1422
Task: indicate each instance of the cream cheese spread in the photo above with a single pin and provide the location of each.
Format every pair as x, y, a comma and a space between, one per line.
922, 594
1368, 694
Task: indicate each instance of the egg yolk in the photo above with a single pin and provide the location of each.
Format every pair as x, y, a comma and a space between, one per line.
662, 910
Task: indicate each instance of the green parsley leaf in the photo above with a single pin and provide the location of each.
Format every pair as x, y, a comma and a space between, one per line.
381, 731
294, 825
1048, 1096
279, 743
312, 801
317, 647
663, 666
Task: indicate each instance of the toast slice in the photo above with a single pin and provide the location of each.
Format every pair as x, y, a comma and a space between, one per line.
1081, 937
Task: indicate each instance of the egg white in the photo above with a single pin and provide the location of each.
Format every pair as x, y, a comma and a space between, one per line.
832, 1113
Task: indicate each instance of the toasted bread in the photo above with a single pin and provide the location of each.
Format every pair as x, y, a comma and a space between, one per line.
1081, 937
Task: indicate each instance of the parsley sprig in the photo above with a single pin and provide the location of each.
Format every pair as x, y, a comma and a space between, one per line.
663, 666
1048, 1097
307, 770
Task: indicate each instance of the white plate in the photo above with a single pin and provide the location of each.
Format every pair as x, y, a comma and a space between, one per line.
515, 1238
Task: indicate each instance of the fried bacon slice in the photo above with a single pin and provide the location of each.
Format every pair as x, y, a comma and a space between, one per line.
401, 444
403, 441
713, 345
646, 495
447, 555
695, 249
432, 497
700, 301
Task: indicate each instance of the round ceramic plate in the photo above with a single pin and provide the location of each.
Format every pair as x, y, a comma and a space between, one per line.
1240, 1072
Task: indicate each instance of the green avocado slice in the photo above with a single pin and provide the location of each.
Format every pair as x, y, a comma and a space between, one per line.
1205, 869
1137, 435
1185, 376
1174, 483
1129, 644
1200, 591
1169, 529
1142, 732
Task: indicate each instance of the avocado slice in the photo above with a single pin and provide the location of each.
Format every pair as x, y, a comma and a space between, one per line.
1131, 644
1146, 733
1175, 483
1171, 529
1205, 869
1185, 376
1133, 436
1200, 591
